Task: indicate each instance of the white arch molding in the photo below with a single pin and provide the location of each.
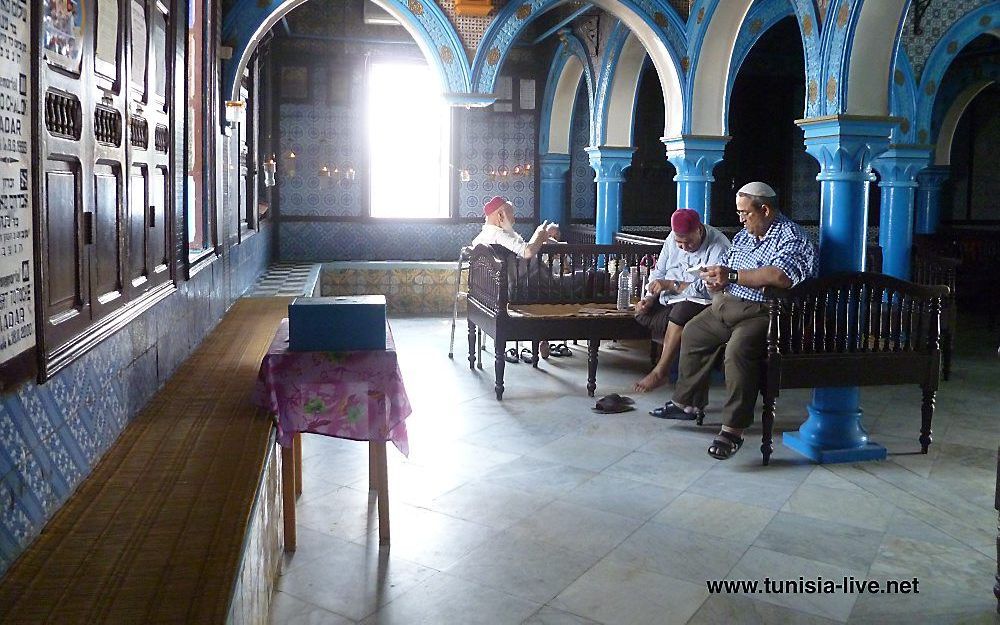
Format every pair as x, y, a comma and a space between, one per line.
711, 72
666, 68
872, 52
942, 152
561, 119
623, 93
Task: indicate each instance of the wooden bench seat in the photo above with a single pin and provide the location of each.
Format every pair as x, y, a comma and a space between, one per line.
180, 521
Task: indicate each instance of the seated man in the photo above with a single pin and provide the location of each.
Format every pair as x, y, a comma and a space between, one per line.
675, 295
499, 230
771, 250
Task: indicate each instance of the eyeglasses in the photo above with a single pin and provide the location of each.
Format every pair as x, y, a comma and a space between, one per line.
742, 214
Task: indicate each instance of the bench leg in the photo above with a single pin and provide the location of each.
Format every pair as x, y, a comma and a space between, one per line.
288, 495
479, 348
767, 424
947, 345
534, 353
926, 414
379, 478
500, 347
592, 347
472, 345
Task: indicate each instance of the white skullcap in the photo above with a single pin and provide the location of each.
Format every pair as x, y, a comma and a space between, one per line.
757, 188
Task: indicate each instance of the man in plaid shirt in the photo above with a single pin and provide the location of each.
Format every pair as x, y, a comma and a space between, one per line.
771, 250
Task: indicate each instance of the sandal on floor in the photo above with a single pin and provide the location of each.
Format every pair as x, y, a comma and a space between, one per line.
560, 350
527, 356
670, 410
511, 356
612, 404
725, 445
625, 399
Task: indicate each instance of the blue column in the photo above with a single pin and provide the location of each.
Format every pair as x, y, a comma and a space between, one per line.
844, 146
610, 165
553, 199
694, 158
929, 183
898, 168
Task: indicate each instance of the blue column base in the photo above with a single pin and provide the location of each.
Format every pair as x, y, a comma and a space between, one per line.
868, 451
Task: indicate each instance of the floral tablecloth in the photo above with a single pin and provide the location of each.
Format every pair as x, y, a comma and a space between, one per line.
357, 395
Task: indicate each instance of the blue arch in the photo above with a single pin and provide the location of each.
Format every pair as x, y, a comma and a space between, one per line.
763, 15
903, 100
605, 77
658, 15
970, 26
248, 20
571, 46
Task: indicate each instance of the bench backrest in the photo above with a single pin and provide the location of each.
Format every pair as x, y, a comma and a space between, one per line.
558, 274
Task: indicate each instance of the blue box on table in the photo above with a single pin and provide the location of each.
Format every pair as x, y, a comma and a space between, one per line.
336, 324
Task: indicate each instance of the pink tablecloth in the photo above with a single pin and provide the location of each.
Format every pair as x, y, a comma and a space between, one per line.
356, 395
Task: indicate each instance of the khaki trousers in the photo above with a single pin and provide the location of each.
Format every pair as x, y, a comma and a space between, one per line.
738, 329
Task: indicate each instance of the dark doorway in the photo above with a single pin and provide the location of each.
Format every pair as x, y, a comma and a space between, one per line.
649, 194
766, 99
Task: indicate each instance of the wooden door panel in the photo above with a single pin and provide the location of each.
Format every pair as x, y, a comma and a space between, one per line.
137, 272
66, 309
159, 246
107, 281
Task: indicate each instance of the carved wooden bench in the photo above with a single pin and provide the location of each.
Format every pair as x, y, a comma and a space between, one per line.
513, 299
852, 329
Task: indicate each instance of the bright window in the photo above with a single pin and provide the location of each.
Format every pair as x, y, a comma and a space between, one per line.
409, 137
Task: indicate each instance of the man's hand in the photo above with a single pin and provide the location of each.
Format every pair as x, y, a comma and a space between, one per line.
716, 277
643, 305
658, 286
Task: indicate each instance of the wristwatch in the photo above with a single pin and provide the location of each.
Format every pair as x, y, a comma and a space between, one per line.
734, 276
677, 286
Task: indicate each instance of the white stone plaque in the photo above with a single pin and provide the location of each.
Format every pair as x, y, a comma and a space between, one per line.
17, 281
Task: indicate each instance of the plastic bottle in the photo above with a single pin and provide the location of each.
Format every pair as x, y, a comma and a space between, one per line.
624, 289
633, 285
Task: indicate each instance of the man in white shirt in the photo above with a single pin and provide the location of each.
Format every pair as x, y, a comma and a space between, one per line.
499, 230
676, 295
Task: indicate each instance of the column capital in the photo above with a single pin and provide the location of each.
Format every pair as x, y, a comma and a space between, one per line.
610, 163
934, 176
694, 156
553, 165
845, 145
899, 165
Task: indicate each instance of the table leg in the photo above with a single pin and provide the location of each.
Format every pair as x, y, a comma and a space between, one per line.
380, 475
297, 449
288, 494
592, 347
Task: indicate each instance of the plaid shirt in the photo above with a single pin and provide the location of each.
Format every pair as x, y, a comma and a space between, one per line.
785, 245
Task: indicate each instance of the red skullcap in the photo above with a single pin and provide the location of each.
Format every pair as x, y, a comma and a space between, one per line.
493, 205
684, 221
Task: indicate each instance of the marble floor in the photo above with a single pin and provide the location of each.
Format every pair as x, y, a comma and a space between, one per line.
536, 510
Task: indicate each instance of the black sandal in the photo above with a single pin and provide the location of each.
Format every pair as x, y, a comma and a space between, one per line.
511, 356
527, 355
725, 445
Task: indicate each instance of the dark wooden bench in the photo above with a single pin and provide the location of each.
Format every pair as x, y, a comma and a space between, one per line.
853, 329
501, 285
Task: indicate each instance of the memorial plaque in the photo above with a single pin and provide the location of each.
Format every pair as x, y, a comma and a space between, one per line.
62, 31
17, 304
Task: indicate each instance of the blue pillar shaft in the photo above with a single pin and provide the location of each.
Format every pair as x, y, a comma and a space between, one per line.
696, 195
609, 209
896, 229
929, 186
694, 158
553, 202
843, 223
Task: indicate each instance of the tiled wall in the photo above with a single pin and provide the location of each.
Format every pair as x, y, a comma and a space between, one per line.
935, 22
583, 191
487, 138
409, 288
51, 435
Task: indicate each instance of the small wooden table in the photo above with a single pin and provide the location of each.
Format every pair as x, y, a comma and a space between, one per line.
357, 395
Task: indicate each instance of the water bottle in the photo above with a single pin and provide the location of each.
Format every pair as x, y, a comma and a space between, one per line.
557, 265
624, 289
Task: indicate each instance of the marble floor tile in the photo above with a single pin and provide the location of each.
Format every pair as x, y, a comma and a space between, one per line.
616, 594
760, 564
637, 500
733, 521
842, 545
530, 569
861, 509
742, 610
540, 477
579, 528
751, 489
935, 604
580, 452
345, 513
551, 616
489, 504
658, 470
352, 581
937, 566
446, 599
287, 610
678, 553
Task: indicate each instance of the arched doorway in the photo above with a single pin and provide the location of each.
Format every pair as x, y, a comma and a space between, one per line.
649, 194
766, 145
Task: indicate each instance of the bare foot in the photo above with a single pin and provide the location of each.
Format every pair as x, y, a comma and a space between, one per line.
653, 379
